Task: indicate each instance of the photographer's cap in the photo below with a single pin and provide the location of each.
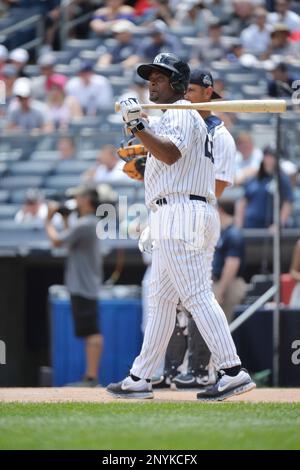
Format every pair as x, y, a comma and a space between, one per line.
83, 190
204, 79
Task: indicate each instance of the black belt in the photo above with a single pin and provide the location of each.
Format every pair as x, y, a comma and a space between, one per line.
192, 197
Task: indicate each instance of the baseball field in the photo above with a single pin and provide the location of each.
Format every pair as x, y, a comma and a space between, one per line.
68, 418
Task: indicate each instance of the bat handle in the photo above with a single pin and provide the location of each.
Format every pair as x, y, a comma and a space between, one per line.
117, 106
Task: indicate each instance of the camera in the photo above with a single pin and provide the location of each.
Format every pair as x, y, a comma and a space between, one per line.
66, 207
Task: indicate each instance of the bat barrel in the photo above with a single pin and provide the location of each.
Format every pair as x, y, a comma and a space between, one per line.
234, 106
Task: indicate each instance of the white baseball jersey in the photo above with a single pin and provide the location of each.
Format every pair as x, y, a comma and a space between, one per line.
224, 149
182, 258
193, 173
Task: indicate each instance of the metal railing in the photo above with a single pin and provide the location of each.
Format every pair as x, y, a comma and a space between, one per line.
36, 21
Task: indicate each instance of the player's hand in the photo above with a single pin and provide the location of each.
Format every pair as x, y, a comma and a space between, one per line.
131, 111
52, 209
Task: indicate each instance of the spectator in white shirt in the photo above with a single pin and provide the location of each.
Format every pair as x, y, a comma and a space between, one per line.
248, 158
93, 91
24, 113
34, 210
108, 168
256, 38
285, 16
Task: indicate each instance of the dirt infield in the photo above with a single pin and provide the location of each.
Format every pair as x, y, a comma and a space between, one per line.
99, 395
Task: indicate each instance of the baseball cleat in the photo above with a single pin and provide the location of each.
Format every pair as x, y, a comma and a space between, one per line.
189, 380
161, 382
227, 386
129, 388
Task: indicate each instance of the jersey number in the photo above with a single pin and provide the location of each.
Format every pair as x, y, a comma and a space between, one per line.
209, 148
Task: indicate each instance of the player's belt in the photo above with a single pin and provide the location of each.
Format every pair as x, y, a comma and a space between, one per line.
192, 197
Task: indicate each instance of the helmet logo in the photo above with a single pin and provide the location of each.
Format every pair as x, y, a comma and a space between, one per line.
207, 80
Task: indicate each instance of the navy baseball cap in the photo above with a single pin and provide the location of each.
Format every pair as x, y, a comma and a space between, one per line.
205, 79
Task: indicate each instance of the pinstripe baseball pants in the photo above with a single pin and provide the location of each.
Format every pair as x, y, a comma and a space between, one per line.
181, 270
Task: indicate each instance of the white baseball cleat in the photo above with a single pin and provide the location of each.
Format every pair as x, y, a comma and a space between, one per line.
227, 386
129, 388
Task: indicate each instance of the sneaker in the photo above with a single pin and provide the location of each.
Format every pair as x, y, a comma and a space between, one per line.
85, 382
227, 386
129, 388
190, 380
161, 382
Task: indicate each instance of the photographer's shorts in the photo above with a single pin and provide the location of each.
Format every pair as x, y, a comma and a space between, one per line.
85, 315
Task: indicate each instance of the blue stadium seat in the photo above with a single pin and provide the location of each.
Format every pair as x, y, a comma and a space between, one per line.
50, 155
4, 195
8, 211
3, 168
61, 183
90, 140
77, 45
120, 84
88, 155
251, 92
62, 57
48, 142
9, 155
71, 167
34, 168
22, 235
240, 79
21, 182
32, 70
254, 118
110, 70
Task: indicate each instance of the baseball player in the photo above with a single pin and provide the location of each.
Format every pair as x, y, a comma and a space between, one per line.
201, 90
179, 189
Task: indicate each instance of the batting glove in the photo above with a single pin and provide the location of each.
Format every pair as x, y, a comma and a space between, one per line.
131, 112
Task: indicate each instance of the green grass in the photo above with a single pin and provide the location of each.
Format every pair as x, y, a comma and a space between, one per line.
150, 426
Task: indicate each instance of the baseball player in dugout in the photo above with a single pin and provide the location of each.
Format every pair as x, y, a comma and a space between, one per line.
184, 226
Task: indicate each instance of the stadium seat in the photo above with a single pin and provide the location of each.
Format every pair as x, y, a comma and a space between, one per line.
21, 182
48, 142
4, 195
77, 45
250, 119
89, 155
71, 167
90, 140
8, 211
10, 155
115, 70
62, 57
251, 92
61, 183
65, 69
50, 155
34, 168
32, 70
3, 168
91, 122
22, 235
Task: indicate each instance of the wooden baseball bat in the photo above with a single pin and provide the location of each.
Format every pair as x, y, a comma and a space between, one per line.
237, 106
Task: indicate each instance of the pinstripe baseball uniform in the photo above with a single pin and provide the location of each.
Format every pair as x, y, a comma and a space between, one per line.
224, 149
224, 152
184, 232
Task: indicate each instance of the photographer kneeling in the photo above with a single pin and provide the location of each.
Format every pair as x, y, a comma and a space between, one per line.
82, 274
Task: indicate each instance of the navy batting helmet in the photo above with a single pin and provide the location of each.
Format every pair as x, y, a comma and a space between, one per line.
171, 65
